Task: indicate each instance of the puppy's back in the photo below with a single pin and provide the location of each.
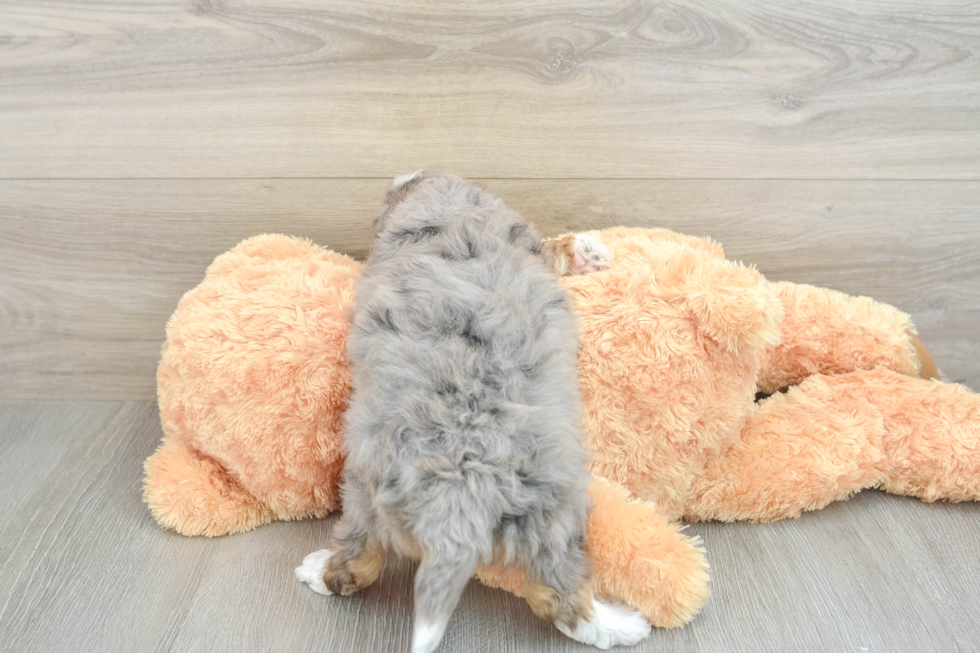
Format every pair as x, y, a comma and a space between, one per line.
464, 423
461, 330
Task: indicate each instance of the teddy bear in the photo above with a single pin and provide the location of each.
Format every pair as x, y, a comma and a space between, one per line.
709, 393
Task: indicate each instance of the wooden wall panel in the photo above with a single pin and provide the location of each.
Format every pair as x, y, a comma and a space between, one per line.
90, 270
623, 89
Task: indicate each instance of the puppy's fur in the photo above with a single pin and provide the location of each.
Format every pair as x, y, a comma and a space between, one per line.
463, 434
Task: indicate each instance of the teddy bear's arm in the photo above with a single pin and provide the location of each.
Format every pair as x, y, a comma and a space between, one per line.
827, 332
639, 558
733, 304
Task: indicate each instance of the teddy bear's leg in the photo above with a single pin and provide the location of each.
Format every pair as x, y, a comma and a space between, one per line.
827, 332
931, 439
194, 495
834, 435
819, 442
639, 558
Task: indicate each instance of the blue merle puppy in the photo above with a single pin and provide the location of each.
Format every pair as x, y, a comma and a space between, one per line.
463, 433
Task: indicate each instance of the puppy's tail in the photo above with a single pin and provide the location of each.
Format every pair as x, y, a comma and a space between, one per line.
439, 582
451, 548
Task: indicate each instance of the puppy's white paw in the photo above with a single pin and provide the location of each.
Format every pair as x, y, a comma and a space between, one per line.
311, 571
590, 255
610, 625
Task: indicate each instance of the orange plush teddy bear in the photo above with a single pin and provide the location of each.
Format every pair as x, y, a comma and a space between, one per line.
677, 344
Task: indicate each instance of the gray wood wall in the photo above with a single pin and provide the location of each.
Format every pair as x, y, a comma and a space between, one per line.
831, 143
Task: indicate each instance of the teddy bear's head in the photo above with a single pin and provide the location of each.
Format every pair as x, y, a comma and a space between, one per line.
670, 343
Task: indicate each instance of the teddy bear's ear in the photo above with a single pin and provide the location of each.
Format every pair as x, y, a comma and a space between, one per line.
735, 305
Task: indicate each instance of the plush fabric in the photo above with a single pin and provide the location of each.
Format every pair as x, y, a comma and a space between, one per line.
676, 342
252, 383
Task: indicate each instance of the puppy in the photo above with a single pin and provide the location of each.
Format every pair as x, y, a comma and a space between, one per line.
463, 432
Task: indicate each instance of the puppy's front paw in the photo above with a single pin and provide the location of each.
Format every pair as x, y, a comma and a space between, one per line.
588, 255
312, 570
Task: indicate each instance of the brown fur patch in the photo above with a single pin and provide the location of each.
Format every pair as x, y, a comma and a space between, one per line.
558, 253
346, 577
542, 599
582, 605
548, 604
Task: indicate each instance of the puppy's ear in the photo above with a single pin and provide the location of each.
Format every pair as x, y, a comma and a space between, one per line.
397, 192
403, 180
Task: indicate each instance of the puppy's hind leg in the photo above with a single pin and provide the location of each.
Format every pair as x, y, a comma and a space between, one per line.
559, 589
357, 558
353, 561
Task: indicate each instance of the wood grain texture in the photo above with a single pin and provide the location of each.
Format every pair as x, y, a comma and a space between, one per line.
567, 88
827, 142
84, 568
91, 270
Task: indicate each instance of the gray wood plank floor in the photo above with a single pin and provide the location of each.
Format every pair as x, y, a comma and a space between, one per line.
84, 568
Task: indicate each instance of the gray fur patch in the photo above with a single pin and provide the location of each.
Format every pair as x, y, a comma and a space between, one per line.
464, 427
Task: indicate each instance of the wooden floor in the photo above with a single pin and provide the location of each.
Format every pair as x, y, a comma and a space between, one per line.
827, 142
84, 568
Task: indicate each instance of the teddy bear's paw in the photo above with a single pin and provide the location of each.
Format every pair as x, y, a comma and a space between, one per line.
312, 569
610, 625
589, 254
